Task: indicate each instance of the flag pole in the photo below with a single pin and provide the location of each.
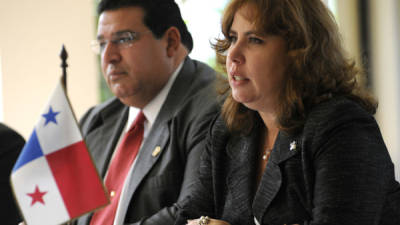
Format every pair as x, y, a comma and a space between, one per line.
64, 65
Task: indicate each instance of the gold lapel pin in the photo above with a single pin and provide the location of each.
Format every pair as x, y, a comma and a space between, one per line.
156, 151
292, 146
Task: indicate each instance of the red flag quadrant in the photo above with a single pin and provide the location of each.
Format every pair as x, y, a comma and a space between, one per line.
76, 179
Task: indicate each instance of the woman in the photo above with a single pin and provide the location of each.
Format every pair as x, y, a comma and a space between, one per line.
296, 142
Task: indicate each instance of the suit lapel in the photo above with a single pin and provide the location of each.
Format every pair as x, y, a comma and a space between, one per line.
285, 147
113, 123
143, 164
242, 153
159, 134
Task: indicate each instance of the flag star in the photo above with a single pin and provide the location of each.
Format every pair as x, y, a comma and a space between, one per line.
50, 116
37, 196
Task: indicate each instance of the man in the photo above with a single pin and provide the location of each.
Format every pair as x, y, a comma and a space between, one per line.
11, 144
144, 46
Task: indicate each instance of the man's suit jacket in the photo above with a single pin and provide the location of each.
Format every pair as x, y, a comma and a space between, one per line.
337, 170
179, 130
11, 144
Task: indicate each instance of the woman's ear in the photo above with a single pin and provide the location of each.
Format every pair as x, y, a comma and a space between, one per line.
173, 40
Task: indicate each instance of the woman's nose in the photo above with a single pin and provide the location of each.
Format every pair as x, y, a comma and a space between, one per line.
235, 53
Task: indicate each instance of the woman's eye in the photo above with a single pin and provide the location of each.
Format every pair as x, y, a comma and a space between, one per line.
232, 38
255, 40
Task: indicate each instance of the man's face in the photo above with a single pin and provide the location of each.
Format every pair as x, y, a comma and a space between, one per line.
134, 73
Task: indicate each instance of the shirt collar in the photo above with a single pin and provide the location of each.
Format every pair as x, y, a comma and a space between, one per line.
152, 109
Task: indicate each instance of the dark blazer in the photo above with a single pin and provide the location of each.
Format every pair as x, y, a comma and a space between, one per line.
337, 170
179, 129
11, 144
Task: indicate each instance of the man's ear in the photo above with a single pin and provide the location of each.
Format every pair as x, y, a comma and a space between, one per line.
173, 40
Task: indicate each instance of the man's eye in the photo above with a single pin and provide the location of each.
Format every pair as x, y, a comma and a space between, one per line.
123, 40
102, 44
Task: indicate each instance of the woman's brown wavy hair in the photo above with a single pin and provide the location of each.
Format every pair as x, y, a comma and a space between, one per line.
318, 69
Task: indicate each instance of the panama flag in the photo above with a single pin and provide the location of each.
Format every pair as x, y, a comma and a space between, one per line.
54, 179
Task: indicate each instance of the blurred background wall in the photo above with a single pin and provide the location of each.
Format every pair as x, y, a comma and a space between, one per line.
31, 36
32, 33
385, 70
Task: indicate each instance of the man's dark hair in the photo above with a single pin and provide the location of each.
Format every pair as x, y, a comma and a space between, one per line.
159, 16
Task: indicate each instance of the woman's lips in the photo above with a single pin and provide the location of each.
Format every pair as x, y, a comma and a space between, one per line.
238, 78
235, 76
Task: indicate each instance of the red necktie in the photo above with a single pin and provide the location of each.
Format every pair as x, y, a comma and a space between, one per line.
119, 169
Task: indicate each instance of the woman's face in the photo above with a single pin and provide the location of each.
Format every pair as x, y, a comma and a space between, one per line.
255, 63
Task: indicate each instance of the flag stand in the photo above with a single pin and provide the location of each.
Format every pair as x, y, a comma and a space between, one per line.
64, 65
